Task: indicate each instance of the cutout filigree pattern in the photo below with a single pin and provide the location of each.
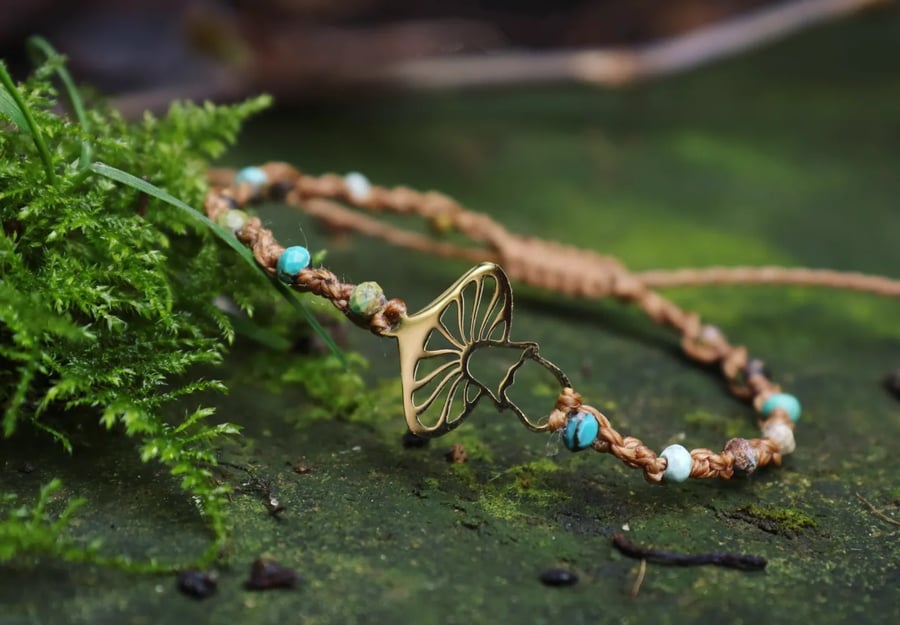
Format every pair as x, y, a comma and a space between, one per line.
437, 343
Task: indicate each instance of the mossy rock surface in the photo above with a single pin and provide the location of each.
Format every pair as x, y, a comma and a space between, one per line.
788, 156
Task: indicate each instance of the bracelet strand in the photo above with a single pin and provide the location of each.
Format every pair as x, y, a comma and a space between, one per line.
534, 261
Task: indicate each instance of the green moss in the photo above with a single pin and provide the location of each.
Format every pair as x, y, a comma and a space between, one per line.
785, 521
501, 507
34, 530
515, 494
106, 291
465, 477
709, 421
530, 480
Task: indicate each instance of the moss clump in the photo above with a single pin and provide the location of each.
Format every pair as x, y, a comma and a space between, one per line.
514, 494
530, 480
783, 521
106, 294
33, 530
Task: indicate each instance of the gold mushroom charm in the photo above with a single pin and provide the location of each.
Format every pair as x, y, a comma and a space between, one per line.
437, 344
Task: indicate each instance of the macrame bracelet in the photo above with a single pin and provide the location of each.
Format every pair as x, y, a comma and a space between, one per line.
476, 313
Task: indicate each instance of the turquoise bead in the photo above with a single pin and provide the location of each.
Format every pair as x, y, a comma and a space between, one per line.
254, 176
291, 262
580, 431
678, 463
786, 402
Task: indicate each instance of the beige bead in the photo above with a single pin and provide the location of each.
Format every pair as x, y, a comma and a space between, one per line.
782, 434
358, 186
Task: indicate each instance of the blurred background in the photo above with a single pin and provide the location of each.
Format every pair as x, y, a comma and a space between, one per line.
147, 52
669, 133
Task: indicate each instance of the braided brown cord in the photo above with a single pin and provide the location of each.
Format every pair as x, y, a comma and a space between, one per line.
549, 265
850, 281
339, 217
740, 455
318, 281
540, 263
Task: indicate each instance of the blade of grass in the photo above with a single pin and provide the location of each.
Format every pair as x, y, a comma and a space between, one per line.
27, 124
142, 185
40, 45
9, 108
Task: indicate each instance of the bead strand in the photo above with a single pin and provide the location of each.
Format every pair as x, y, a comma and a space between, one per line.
584, 427
704, 343
365, 303
581, 426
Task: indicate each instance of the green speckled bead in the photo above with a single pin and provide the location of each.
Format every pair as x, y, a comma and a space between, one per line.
291, 262
367, 299
786, 402
232, 220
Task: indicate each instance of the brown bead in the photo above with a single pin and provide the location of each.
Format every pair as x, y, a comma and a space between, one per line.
281, 173
745, 456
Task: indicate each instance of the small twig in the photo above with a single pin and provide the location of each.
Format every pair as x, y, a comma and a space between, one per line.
659, 556
876, 511
414, 55
260, 485
615, 67
636, 587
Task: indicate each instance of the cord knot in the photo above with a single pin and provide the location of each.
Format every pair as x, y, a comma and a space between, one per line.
567, 402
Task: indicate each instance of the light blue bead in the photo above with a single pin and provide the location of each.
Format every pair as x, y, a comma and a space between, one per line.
786, 402
580, 431
678, 463
294, 260
254, 176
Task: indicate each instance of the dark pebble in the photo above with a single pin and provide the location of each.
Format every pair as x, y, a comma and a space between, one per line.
457, 454
559, 577
196, 584
756, 366
304, 345
892, 383
279, 190
266, 574
412, 441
